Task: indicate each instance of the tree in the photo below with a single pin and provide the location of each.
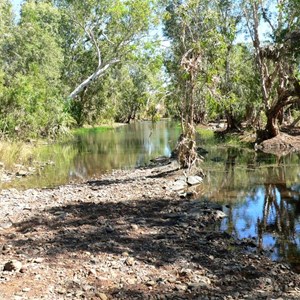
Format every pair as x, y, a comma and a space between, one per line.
197, 44
276, 57
33, 103
105, 31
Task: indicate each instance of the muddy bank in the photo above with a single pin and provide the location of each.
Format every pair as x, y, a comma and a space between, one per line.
282, 144
128, 235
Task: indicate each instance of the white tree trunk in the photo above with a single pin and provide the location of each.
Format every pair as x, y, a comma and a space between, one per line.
100, 71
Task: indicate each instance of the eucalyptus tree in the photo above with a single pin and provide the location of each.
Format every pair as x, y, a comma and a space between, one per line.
233, 92
98, 35
276, 56
140, 89
228, 96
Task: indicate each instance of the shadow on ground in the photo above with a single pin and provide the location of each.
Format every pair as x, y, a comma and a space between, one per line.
155, 232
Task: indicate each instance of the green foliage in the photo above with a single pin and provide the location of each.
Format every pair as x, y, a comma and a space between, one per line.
55, 46
31, 102
106, 52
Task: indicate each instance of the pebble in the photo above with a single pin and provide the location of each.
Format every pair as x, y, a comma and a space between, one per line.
92, 272
181, 287
134, 226
13, 265
194, 180
38, 260
101, 296
150, 283
131, 281
129, 261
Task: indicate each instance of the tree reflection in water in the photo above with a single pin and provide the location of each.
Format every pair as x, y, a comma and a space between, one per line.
267, 202
280, 210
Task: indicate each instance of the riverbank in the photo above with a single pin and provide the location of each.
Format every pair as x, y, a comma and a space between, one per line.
128, 235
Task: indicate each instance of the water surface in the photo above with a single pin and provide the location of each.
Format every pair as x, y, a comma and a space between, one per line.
91, 153
260, 193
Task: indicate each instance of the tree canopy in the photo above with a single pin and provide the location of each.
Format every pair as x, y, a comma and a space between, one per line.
68, 63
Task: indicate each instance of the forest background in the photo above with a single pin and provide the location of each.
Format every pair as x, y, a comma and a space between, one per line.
67, 63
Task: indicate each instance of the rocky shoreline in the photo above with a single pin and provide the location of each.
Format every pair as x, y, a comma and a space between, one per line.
128, 235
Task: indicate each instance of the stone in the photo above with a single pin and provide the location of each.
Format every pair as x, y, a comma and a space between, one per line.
23, 269
92, 272
101, 296
218, 214
38, 260
129, 261
150, 283
194, 180
22, 173
179, 185
6, 225
134, 226
13, 265
181, 287
131, 281
203, 280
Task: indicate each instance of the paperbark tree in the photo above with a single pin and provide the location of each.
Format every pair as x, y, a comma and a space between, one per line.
196, 47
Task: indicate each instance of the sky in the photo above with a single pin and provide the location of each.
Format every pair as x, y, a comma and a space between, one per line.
16, 4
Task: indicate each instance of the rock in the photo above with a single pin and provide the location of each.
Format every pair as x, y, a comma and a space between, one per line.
61, 291
134, 226
109, 229
131, 281
22, 173
38, 260
6, 225
125, 254
161, 160
101, 296
129, 261
92, 272
181, 287
203, 280
150, 283
179, 185
194, 180
13, 265
218, 214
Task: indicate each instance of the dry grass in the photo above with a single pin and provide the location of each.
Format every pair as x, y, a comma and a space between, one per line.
15, 152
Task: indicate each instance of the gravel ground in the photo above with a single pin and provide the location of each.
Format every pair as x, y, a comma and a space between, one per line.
128, 235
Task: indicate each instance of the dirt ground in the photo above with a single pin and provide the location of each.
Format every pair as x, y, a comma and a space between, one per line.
128, 235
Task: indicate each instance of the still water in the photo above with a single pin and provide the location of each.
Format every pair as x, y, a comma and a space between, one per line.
92, 153
259, 192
